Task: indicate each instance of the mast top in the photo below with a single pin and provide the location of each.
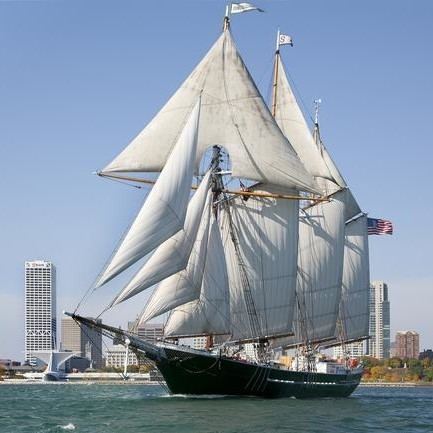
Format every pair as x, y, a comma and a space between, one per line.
226, 23
317, 103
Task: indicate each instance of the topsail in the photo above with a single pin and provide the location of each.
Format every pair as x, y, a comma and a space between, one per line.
233, 115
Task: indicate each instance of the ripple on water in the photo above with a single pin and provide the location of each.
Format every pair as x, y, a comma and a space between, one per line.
69, 426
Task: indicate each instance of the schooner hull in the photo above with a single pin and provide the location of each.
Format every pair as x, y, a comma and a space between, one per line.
195, 374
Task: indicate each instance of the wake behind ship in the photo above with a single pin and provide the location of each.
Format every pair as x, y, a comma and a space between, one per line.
269, 254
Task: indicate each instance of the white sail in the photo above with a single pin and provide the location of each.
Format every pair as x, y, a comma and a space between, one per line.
163, 213
333, 169
320, 270
185, 285
210, 314
354, 306
233, 115
172, 256
352, 208
292, 122
266, 231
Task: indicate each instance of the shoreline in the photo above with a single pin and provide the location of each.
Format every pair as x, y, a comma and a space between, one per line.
79, 382
396, 384
93, 381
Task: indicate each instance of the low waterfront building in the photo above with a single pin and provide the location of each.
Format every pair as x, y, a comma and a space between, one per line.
426, 354
199, 343
353, 350
152, 331
115, 357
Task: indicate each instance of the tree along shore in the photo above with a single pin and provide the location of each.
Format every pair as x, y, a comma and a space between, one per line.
395, 370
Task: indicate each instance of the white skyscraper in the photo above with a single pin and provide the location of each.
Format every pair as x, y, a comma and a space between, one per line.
40, 308
380, 333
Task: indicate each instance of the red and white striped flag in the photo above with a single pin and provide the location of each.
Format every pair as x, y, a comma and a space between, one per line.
379, 227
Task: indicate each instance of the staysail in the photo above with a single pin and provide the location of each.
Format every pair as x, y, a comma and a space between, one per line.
233, 115
210, 314
172, 256
185, 285
260, 238
163, 212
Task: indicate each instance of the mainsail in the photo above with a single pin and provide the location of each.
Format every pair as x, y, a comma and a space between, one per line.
172, 256
210, 313
163, 213
260, 238
233, 115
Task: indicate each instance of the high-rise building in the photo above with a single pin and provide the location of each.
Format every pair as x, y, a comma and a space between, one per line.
40, 308
85, 341
407, 344
380, 332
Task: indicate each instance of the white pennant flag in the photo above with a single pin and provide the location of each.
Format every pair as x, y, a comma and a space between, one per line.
238, 8
285, 40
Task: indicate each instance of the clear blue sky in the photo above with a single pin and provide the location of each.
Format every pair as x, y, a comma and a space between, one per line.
78, 79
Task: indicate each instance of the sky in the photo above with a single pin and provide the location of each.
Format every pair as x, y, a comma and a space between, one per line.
79, 79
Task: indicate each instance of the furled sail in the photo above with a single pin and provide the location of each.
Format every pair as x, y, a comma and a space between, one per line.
210, 314
163, 213
260, 238
185, 285
233, 115
172, 255
354, 306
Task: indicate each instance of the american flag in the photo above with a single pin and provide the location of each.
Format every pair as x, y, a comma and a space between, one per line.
379, 227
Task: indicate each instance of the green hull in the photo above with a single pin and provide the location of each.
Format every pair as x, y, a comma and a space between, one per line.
189, 372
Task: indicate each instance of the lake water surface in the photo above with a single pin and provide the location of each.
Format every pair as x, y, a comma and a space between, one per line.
97, 408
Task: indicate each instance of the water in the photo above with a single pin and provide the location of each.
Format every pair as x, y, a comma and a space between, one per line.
93, 408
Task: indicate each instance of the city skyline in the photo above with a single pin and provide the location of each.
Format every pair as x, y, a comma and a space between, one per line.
76, 91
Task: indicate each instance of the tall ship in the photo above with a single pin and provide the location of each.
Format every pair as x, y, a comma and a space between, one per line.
249, 237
